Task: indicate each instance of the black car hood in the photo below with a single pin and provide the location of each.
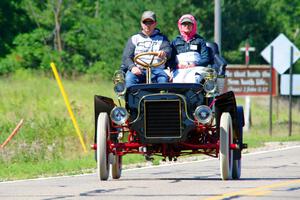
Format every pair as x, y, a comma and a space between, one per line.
170, 87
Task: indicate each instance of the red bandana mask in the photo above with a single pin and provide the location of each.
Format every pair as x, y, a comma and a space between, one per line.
189, 36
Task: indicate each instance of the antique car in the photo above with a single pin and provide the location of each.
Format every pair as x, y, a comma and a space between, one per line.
170, 120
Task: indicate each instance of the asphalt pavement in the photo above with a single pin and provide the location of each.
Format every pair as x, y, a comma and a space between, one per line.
271, 174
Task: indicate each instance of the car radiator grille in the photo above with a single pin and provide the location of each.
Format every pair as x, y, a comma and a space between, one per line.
163, 119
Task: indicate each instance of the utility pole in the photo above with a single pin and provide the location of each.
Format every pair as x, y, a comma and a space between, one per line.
218, 27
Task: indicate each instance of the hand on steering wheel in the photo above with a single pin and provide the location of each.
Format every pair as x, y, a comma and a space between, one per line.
137, 59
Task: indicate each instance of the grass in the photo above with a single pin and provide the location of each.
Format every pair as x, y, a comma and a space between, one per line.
257, 140
259, 132
47, 143
24, 170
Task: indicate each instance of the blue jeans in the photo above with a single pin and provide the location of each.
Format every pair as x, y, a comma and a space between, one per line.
157, 76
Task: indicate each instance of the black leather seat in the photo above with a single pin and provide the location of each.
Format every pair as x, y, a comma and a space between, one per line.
215, 59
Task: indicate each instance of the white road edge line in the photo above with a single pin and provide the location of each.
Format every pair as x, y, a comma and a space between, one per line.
149, 167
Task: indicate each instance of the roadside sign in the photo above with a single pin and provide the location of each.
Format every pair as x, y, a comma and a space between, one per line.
282, 48
253, 80
285, 84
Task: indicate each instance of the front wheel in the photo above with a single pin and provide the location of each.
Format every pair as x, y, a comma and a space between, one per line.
103, 128
226, 154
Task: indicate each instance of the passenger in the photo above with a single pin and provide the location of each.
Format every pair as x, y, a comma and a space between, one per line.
189, 52
149, 39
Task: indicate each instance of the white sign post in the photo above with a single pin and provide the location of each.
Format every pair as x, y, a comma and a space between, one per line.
247, 115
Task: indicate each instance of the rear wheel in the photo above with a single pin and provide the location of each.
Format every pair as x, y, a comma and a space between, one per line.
226, 154
103, 128
236, 169
237, 165
116, 167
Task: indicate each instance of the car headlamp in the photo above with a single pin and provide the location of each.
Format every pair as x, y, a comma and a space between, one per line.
119, 115
119, 81
210, 86
120, 88
203, 114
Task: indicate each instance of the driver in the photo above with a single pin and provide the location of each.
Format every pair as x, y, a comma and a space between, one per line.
149, 39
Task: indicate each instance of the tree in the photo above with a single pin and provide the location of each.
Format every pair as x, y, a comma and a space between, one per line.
88, 36
13, 20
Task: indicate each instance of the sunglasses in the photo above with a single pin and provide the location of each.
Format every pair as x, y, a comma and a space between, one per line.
187, 24
148, 22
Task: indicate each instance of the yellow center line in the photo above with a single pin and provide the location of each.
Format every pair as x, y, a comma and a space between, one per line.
255, 191
260, 193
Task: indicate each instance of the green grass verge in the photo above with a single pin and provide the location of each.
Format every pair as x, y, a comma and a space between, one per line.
47, 143
258, 140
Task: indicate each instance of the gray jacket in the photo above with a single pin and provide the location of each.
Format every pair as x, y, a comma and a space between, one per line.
140, 43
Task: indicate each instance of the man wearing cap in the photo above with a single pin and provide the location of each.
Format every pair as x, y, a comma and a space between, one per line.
189, 50
149, 39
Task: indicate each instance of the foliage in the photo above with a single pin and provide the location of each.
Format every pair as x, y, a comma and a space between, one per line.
13, 21
89, 35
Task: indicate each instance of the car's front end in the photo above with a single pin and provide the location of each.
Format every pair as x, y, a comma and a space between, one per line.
163, 113
170, 120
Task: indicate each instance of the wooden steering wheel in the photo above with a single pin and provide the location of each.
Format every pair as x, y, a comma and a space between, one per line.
137, 59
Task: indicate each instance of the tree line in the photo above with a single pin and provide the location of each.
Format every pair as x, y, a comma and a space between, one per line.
88, 36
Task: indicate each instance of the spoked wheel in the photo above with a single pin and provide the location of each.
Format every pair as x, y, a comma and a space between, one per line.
116, 167
236, 168
103, 128
226, 154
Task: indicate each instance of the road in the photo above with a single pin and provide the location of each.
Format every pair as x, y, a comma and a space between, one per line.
265, 175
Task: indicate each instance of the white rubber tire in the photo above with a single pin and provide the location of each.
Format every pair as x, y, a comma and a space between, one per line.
103, 128
225, 153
